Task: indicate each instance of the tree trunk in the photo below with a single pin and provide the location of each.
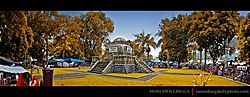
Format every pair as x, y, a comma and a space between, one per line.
195, 54
205, 59
47, 45
63, 54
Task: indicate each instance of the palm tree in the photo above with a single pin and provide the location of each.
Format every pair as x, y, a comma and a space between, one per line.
143, 40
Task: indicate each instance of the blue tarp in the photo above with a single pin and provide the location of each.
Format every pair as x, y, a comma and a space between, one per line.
74, 60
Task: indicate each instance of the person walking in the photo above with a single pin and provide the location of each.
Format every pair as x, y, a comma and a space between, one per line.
21, 81
34, 81
38, 69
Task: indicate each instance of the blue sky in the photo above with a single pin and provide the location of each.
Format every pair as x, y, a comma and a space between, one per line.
127, 23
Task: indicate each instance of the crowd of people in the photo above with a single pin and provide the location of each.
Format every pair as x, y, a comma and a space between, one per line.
236, 72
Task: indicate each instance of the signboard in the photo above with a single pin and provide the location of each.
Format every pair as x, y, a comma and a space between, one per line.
113, 49
244, 68
129, 49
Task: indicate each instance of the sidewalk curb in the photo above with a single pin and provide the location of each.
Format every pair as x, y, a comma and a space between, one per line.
235, 81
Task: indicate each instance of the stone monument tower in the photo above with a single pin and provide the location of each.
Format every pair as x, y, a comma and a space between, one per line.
119, 58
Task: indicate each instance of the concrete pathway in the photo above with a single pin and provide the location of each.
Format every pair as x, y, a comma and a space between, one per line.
82, 74
63, 76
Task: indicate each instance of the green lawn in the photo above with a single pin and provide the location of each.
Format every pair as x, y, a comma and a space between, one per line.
62, 70
185, 71
160, 80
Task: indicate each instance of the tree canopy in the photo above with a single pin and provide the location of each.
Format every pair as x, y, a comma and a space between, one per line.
40, 34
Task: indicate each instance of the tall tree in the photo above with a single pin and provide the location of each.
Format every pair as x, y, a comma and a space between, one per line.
16, 35
221, 26
68, 43
195, 25
38, 25
173, 38
244, 39
95, 29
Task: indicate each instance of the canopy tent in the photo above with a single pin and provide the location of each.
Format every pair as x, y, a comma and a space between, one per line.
210, 62
156, 60
207, 61
235, 63
59, 60
191, 61
51, 60
165, 61
7, 62
175, 63
242, 63
10, 69
74, 60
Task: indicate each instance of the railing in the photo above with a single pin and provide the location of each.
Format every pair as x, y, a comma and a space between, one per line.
145, 64
94, 65
105, 69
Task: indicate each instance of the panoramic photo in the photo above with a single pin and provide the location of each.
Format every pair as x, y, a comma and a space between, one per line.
124, 48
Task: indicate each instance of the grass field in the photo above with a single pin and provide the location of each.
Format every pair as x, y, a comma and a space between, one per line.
93, 80
185, 71
62, 70
160, 80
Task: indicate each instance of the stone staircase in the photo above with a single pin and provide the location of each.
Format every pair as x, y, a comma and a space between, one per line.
99, 67
148, 69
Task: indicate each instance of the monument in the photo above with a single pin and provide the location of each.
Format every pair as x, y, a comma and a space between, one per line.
119, 58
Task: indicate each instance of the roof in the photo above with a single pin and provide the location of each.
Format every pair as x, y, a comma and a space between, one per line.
59, 60
51, 60
120, 40
10, 69
73, 60
5, 61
